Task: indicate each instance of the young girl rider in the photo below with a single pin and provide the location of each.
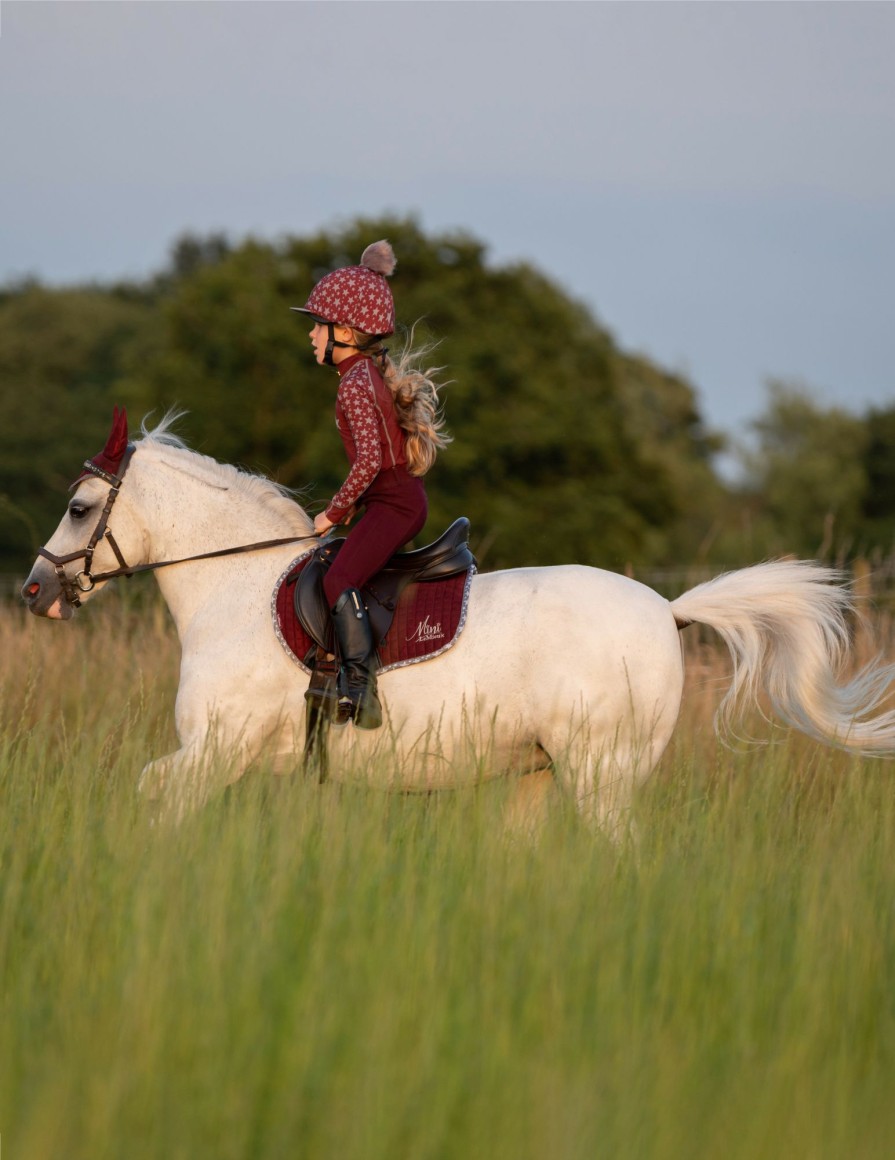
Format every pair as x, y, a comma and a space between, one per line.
387, 415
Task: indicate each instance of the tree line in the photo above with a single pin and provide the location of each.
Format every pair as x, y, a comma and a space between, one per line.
566, 447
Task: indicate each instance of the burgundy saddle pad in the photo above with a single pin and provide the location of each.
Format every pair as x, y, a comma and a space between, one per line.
428, 619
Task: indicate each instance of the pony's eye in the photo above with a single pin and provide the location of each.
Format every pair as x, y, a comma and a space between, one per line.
77, 511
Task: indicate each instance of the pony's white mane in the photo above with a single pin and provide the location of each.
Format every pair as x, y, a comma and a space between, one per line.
259, 489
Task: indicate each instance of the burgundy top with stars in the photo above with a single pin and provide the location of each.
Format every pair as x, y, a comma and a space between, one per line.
365, 416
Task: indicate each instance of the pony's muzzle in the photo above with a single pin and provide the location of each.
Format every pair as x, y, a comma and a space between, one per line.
42, 595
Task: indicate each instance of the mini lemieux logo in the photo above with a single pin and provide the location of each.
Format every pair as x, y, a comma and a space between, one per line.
426, 632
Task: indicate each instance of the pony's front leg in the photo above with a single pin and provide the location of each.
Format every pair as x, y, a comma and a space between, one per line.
181, 783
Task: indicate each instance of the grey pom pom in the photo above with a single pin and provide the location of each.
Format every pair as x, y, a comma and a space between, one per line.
379, 257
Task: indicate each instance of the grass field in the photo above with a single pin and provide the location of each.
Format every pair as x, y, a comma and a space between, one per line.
304, 971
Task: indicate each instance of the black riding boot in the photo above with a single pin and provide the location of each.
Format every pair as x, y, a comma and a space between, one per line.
357, 678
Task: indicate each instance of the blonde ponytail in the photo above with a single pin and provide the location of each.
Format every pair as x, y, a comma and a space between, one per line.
415, 392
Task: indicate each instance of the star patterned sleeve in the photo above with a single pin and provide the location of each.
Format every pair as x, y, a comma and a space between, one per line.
360, 413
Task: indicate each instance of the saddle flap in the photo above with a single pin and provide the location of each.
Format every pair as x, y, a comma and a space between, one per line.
310, 601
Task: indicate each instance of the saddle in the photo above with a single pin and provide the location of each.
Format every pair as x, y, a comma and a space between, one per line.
416, 607
449, 556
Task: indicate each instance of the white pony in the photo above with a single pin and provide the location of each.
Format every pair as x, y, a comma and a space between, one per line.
568, 668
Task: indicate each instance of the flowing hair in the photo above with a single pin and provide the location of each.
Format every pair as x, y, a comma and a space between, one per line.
415, 392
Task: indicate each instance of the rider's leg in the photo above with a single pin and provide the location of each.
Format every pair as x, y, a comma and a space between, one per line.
357, 678
395, 512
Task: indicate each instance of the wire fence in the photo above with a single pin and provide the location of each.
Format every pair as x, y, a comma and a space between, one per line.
872, 580
671, 582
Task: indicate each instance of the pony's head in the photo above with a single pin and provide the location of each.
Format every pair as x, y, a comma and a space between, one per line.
52, 589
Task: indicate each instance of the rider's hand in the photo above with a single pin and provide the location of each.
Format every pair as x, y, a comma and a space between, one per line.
322, 524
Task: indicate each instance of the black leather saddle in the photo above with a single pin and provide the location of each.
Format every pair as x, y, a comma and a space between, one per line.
448, 556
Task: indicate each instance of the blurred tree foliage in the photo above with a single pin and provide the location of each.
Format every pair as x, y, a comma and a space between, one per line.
556, 432
566, 448
61, 353
878, 506
821, 479
809, 469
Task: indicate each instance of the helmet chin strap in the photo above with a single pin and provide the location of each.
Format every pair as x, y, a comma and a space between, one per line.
332, 342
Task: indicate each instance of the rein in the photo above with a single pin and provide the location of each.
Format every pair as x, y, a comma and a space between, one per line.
86, 580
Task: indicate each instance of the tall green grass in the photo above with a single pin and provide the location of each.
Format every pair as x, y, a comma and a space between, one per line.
314, 972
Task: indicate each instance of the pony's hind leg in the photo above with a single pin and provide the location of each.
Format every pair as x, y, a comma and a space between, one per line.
528, 804
601, 786
600, 770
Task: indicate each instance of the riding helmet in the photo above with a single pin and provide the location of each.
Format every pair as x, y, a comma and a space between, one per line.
357, 296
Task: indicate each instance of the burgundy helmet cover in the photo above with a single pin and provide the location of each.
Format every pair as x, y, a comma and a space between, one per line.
357, 296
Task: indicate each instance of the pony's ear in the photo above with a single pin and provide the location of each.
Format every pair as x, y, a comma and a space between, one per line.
116, 444
109, 459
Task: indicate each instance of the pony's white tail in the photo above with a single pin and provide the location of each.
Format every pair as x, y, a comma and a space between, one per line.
785, 625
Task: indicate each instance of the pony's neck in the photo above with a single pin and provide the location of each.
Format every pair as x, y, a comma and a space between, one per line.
205, 506
188, 505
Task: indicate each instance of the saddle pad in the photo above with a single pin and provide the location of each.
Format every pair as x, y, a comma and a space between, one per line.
430, 616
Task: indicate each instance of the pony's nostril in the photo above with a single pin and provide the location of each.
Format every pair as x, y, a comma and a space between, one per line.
30, 591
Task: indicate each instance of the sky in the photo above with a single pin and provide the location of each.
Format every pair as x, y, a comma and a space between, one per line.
716, 181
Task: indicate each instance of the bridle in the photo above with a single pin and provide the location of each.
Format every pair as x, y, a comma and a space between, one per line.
86, 580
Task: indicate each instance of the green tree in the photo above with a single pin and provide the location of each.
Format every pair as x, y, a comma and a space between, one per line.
60, 354
879, 465
662, 417
564, 447
809, 472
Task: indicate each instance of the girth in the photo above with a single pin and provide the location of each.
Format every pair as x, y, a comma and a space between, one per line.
448, 556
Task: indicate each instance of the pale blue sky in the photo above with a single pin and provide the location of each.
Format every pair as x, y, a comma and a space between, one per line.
716, 180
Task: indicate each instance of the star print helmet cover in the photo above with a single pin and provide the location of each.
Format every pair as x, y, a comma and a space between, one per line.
357, 296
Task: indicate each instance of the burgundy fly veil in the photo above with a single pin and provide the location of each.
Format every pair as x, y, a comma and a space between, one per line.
109, 459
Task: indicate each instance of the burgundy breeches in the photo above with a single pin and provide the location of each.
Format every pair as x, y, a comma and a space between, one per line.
395, 510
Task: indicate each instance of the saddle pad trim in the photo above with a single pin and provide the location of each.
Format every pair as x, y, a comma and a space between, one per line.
461, 624
273, 610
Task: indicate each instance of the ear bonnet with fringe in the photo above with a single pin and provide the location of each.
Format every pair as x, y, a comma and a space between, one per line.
357, 296
109, 459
